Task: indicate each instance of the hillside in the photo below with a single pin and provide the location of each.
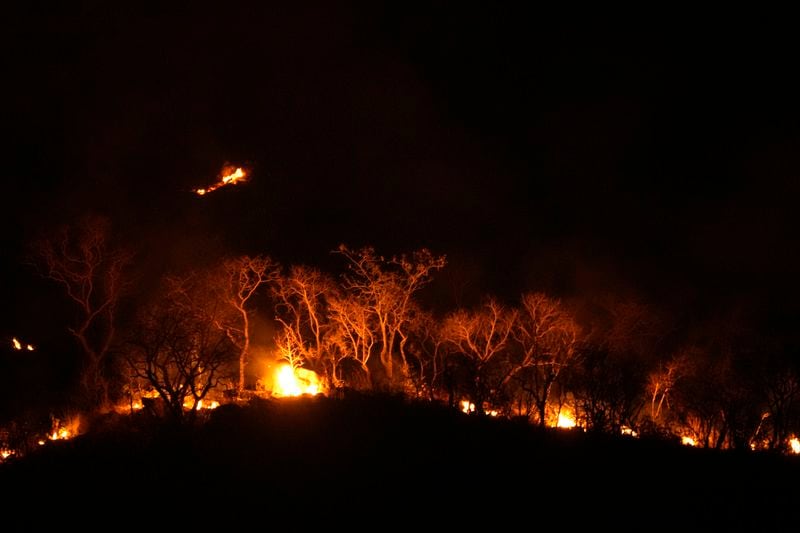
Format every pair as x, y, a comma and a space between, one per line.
382, 461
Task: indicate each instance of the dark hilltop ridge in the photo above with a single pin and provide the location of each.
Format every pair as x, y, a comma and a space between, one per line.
378, 461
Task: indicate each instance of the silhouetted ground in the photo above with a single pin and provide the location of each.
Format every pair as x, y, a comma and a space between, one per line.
381, 462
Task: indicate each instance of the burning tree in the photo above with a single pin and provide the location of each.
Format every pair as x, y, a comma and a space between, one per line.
384, 288
90, 270
179, 348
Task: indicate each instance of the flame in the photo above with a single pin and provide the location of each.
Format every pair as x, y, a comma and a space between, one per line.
795, 444
688, 441
17, 345
201, 404
566, 420
467, 406
64, 431
5, 453
295, 381
230, 176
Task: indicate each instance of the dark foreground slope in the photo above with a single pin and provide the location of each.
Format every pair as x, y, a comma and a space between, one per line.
379, 462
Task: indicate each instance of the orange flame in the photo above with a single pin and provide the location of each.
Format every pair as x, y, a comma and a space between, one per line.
188, 403
64, 431
230, 176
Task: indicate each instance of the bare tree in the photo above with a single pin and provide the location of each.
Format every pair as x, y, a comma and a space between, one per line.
664, 378
386, 288
353, 336
178, 347
244, 275
426, 353
548, 338
301, 302
481, 337
90, 269
780, 388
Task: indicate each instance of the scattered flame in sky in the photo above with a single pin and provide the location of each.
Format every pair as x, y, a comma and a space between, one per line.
229, 176
17, 345
295, 382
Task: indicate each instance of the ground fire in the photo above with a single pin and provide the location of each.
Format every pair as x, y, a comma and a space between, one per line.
229, 176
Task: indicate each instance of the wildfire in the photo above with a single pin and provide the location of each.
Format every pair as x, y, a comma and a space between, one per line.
230, 176
566, 420
5, 453
795, 444
295, 381
17, 345
688, 441
201, 404
467, 406
64, 431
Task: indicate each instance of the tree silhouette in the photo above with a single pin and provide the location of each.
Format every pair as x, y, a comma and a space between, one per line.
178, 346
82, 259
548, 338
481, 338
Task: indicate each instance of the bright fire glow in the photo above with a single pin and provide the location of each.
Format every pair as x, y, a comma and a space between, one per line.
467, 406
17, 345
295, 381
795, 444
230, 176
565, 420
201, 404
5, 453
64, 431
688, 441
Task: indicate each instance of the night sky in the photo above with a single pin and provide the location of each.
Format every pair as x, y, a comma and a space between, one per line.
657, 158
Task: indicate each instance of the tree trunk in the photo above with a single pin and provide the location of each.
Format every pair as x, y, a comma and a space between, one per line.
245, 350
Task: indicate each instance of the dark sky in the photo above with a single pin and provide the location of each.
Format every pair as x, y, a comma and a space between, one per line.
658, 156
